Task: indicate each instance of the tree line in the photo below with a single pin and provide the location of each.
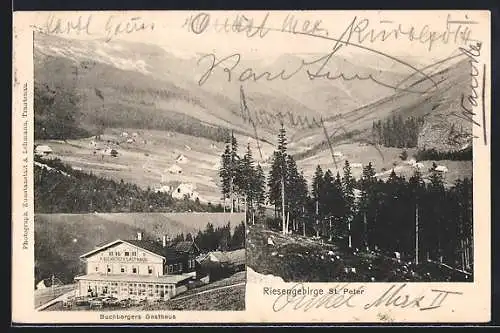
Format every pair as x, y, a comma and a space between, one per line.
213, 239
241, 179
80, 192
396, 132
56, 113
434, 155
417, 219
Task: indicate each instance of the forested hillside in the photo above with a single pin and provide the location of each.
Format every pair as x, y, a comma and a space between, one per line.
62, 189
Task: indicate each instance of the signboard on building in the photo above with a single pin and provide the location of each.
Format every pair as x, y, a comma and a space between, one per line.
124, 259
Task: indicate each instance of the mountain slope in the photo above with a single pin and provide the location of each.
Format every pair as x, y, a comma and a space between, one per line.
151, 79
439, 105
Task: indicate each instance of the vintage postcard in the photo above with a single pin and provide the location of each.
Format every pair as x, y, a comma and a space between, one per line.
251, 167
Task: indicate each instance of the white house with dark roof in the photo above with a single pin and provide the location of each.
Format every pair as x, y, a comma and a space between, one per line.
138, 268
174, 169
43, 150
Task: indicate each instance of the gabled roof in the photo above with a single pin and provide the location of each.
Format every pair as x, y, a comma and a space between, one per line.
148, 248
151, 246
183, 246
236, 257
170, 252
43, 148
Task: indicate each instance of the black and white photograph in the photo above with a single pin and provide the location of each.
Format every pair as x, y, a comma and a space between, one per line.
388, 197
212, 166
129, 205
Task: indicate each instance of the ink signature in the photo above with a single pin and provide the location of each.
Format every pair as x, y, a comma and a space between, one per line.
84, 25
348, 297
235, 72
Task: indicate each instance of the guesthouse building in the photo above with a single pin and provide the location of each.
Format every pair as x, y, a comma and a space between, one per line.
138, 269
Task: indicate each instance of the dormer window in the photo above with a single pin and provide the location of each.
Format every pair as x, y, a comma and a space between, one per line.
127, 253
111, 253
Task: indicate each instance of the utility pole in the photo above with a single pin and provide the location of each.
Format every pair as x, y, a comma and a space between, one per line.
52, 285
231, 190
365, 223
416, 234
349, 231
303, 222
283, 202
317, 220
246, 221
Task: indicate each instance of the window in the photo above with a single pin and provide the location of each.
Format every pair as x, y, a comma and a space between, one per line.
180, 266
150, 270
134, 270
109, 269
117, 253
126, 254
134, 254
122, 269
170, 268
111, 253
96, 268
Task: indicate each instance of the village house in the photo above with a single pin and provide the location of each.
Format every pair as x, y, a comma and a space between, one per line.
139, 269
419, 165
181, 159
174, 169
441, 168
162, 188
43, 150
220, 264
185, 189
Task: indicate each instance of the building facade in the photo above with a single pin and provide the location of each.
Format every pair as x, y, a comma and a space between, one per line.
140, 269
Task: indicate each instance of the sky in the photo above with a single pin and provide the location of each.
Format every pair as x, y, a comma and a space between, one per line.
407, 34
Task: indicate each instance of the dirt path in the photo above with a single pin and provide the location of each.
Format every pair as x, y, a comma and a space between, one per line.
209, 291
56, 300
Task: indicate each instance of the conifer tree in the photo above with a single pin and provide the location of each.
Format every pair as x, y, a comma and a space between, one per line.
278, 177
349, 199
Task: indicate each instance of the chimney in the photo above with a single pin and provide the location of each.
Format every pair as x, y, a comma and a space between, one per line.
164, 240
139, 236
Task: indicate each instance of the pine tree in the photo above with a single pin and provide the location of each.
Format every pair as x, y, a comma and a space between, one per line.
296, 192
437, 193
416, 188
246, 181
329, 202
274, 184
317, 185
349, 198
317, 190
225, 172
260, 190
278, 176
367, 201
235, 171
